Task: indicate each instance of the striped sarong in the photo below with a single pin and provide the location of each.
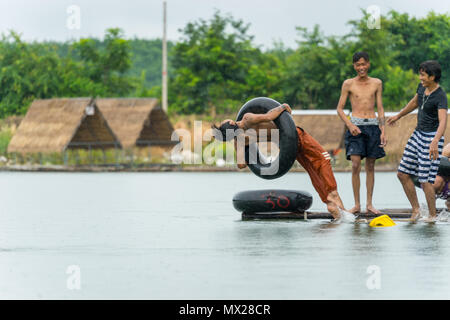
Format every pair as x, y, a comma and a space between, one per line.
416, 157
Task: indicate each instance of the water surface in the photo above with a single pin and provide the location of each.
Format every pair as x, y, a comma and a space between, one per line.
177, 236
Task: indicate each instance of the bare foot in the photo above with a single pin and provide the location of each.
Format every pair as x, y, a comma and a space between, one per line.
415, 215
336, 220
430, 219
355, 210
371, 209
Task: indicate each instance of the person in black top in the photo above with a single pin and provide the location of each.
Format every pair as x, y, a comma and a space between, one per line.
423, 151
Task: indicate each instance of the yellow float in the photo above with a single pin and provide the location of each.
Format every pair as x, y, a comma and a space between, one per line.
382, 221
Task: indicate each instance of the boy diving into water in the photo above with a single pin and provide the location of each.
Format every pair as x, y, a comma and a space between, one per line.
313, 158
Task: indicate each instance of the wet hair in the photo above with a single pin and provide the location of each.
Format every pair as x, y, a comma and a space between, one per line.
222, 134
431, 68
360, 54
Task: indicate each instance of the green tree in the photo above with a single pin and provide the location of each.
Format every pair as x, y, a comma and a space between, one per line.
146, 55
399, 81
422, 39
27, 72
106, 65
315, 71
211, 63
399, 87
265, 77
31, 71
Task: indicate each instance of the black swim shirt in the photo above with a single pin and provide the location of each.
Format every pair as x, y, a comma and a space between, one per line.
427, 118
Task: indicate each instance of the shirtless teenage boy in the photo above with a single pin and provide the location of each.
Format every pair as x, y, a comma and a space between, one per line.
365, 136
311, 155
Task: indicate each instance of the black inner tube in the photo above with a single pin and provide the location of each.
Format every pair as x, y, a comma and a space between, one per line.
443, 171
271, 200
444, 167
288, 141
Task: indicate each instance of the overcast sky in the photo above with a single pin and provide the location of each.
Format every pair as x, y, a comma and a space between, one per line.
270, 19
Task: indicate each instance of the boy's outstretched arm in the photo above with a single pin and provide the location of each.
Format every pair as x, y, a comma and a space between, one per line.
412, 104
253, 118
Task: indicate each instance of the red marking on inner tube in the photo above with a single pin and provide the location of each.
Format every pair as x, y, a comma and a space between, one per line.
271, 202
279, 202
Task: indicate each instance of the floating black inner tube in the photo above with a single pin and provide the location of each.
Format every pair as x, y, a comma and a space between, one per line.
288, 140
443, 171
444, 167
272, 201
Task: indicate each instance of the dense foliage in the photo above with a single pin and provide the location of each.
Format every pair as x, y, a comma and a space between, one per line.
215, 67
37, 71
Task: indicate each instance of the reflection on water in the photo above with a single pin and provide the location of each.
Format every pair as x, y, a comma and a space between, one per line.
177, 236
323, 226
427, 239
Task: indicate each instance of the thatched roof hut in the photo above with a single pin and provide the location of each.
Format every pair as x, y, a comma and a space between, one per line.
326, 127
137, 121
54, 125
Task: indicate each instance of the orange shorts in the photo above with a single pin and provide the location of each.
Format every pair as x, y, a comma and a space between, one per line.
316, 162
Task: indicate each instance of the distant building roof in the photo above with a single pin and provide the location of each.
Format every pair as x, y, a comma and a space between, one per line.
53, 125
137, 121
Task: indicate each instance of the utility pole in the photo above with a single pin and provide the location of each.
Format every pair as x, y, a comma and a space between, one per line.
164, 59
